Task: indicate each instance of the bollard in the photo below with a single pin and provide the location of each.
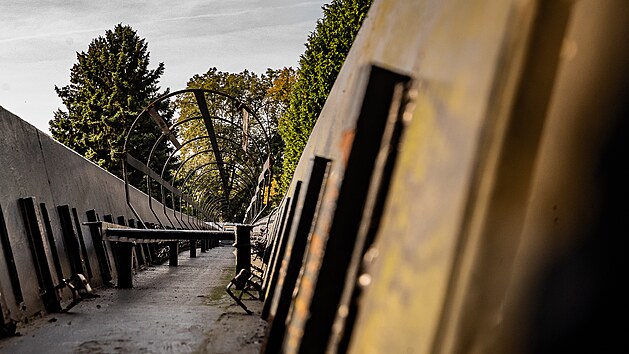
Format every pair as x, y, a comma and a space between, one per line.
193, 248
243, 248
124, 255
173, 253
147, 253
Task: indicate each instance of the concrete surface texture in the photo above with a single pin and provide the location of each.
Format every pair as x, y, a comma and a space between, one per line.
182, 309
35, 165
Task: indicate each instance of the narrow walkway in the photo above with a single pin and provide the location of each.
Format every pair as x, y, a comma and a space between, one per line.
181, 309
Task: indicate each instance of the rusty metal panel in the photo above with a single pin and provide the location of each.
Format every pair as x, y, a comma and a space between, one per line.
51, 241
490, 231
270, 252
40, 255
329, 254
458, 60
104, 263
70, 240
305, 218
268, 311
79, 234
483, 201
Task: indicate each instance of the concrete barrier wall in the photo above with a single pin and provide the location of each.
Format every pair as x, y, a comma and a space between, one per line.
32, 164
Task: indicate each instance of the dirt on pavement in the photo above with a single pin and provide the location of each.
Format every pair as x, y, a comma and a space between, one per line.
182, 309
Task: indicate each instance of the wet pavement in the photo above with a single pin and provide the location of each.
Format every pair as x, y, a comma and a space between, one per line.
182, 309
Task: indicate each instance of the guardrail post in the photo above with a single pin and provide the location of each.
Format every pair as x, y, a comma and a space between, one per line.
10, 262
124, 250
243, 248
193, 248
173, 253
99, 247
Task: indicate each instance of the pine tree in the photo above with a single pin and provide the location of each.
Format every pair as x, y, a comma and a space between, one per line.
109, 86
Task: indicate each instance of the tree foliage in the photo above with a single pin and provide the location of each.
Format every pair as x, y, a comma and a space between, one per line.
267, 97
109, 85
319, 66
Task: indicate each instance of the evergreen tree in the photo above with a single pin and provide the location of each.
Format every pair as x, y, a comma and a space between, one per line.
109, 86
325, 53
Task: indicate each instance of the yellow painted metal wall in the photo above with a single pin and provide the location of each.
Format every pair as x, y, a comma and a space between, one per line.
497, 173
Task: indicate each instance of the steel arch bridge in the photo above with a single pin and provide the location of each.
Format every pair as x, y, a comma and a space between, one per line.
227, 180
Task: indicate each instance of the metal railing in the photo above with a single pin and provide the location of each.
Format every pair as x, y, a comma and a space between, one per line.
222, 174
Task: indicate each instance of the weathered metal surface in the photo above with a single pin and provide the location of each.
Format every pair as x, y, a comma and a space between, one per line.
40, 255
282, 240
416, 34
512, 156
104, 263
243, 248
114, 234
294, 255
173, 253
330, 253
128, 244
498, 181
79, 235
209, 126
23, 174
164, 127
244, 283
271, 254
50, 236
124, 264
70, 241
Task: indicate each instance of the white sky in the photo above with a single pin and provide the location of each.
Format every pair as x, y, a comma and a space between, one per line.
39, 40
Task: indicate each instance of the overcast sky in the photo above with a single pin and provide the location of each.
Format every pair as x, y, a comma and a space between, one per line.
39, 40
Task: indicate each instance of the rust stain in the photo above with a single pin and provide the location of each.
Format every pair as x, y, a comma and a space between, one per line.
346, 144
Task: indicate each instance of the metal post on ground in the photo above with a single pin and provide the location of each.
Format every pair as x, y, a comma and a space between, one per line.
193, 248
243, 248
124, 251
173, 253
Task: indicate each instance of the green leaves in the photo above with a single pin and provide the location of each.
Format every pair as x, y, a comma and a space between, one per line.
319, 66
267, 97
109, 85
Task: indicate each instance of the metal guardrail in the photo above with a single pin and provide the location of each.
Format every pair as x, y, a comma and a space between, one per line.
144, 235
125, 239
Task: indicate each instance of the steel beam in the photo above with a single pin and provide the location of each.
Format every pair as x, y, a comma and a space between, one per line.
294, 255
164, 127
165, 234
207, 120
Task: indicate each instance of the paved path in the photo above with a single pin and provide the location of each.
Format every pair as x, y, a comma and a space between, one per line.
181, 309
